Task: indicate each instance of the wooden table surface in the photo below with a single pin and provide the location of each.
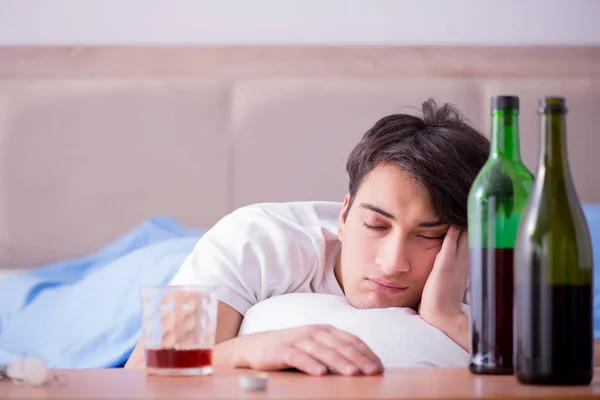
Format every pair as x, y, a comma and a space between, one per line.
437, 383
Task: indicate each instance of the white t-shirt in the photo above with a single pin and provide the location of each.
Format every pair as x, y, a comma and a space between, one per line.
263, 250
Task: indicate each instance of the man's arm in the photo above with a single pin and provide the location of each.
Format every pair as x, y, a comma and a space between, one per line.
313, 349
457, 329
228, 325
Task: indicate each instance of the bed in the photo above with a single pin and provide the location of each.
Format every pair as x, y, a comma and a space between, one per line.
100, 144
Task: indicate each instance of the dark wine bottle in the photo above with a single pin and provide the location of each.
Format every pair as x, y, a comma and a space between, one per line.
497, 201
553, 264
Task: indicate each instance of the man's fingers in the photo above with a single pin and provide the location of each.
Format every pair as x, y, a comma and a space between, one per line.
462, 251
302, 361
328, 356
352, 348
463, 238
450, 243
462, 256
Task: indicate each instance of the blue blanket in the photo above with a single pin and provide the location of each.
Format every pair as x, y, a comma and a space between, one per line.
86, 313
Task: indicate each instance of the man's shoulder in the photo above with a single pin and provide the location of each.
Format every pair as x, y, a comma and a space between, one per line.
298, 214
285, 207
283, 224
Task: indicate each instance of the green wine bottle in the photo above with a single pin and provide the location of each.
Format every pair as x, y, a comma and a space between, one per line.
553, 264
497, 201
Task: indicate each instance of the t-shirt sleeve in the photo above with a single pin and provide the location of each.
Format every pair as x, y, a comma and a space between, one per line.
248, 256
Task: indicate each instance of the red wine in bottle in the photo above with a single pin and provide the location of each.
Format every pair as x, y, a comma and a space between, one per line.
553, 267
497, 201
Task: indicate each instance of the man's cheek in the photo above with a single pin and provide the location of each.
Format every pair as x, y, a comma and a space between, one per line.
424, 260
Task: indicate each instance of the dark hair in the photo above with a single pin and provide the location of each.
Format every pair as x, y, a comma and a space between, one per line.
441, 151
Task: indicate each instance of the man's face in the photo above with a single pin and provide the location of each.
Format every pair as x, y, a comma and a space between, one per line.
390, 240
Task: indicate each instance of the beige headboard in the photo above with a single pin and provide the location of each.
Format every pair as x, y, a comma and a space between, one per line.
95, 140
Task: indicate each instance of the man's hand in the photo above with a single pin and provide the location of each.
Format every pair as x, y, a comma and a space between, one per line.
313, 349
445, 288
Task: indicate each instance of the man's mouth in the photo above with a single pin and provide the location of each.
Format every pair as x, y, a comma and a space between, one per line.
386, 287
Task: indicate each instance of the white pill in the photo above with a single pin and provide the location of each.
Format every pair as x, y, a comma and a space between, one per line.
252, 382
29, 370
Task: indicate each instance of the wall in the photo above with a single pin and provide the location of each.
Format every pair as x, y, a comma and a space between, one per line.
167, 22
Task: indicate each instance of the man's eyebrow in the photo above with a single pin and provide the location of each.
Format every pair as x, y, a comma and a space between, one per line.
430, 224
377, 210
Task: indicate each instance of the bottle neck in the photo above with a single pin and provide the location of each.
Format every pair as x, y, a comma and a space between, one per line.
505, 134
553, 159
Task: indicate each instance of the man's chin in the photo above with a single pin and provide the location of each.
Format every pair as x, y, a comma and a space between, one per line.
375, 300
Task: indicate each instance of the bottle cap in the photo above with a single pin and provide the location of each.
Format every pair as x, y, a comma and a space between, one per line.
253, 382
505, 103
552, 104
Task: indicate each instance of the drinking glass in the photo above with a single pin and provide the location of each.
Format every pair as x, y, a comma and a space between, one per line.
179, 324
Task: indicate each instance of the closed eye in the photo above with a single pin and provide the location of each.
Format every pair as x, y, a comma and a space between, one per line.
374, 227
433, 237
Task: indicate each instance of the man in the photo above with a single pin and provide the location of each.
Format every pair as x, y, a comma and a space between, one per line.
398, 240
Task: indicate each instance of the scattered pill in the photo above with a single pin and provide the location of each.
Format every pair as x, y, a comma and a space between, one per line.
252, 382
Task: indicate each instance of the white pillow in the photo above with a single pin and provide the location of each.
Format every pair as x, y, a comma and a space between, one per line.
398, 336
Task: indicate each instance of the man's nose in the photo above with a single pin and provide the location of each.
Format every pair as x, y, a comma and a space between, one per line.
393, 257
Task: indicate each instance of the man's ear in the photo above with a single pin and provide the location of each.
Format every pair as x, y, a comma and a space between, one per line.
341, 222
